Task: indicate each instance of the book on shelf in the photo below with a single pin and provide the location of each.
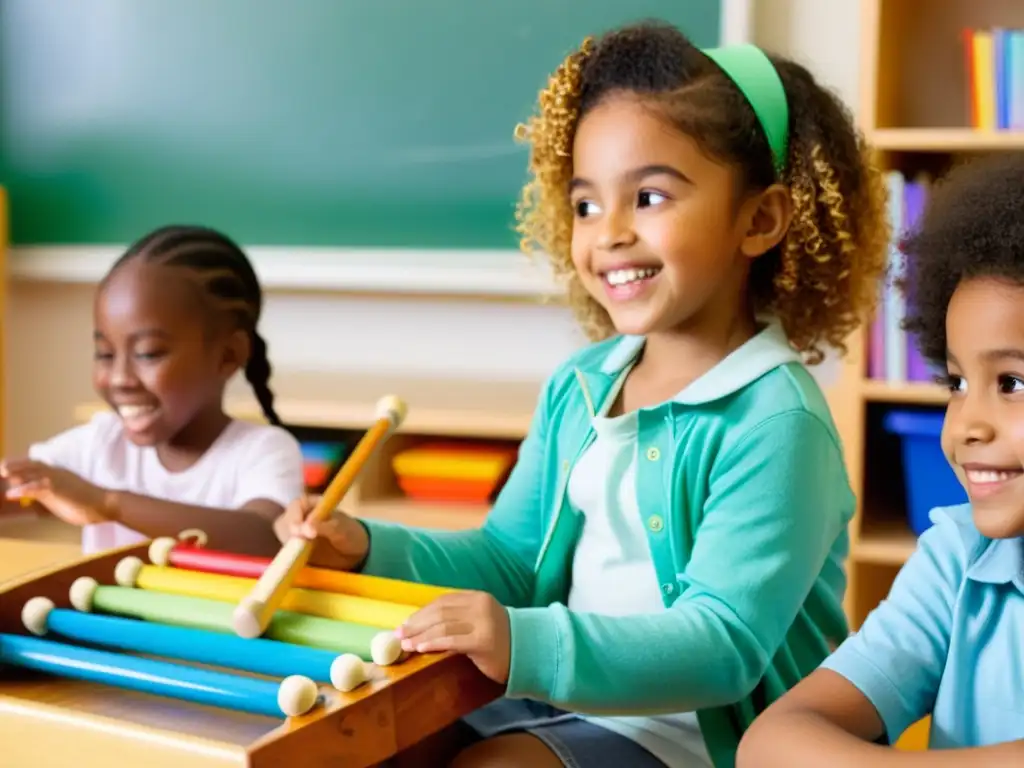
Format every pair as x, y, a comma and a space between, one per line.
994, 60
893, 355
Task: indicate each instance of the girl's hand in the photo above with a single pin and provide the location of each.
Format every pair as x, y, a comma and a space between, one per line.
345, 539
471, 623
64, 494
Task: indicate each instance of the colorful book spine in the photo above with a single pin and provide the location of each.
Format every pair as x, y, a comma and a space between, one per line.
994, 69
915, 194
876, 341
1014, 72
1002, 114
893, 355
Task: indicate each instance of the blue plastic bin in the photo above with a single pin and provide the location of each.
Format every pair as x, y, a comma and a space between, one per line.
930, 481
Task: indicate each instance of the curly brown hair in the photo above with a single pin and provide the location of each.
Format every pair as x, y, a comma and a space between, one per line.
822, 281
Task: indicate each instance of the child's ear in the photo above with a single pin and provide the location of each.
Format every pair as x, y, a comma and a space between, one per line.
235, 354
770, 214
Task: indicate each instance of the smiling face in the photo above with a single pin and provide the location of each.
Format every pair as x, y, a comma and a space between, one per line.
158, 363
661, 236
983, 433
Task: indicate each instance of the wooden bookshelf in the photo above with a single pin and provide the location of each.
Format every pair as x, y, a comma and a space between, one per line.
914, 112
438, 409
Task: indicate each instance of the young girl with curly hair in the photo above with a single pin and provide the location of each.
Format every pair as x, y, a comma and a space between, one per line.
667, 557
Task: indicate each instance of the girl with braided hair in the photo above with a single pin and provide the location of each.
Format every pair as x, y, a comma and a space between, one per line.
667, 556
174, 319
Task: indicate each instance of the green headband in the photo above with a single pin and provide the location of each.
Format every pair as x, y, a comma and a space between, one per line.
758, 80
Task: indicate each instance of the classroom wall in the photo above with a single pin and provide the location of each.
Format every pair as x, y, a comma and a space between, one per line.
49, 325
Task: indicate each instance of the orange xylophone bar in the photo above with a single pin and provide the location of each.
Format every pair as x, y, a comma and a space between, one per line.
169, 552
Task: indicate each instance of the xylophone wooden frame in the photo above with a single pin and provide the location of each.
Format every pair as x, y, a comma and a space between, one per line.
402, 706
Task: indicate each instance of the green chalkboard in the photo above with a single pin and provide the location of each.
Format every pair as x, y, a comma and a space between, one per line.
284, 122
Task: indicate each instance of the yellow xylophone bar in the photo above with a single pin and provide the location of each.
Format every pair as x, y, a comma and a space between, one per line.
168, 551
132, 572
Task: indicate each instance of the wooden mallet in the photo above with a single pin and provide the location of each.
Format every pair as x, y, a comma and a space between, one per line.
253, 614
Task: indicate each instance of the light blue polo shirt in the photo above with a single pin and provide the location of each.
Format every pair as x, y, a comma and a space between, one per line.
949, 639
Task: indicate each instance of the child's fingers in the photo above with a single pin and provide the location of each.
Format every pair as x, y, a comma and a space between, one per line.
292, 520
303, 529
11, 467
334, 528
442, 608
430, 614
28, 489
420, 621
24, 474
304, 505
446, 616
457, 642
448, 634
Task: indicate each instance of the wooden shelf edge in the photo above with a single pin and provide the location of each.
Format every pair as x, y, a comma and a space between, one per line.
881, 552
914, 393
452, 516
886, 541
944, 140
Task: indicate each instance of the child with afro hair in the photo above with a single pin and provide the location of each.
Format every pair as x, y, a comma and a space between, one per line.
948, 639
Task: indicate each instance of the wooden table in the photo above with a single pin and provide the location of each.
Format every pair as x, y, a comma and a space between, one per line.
30, 542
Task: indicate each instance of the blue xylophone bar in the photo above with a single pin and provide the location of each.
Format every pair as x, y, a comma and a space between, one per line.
162, 678
265, 657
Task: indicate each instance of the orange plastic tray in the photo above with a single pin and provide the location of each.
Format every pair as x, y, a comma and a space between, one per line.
447, 489
456, 461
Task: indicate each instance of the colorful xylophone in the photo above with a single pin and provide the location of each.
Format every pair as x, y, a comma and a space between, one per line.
142, 655
186, 614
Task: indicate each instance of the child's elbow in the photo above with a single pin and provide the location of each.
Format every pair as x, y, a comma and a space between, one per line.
749, 664
758, 744
735, 684
746, 753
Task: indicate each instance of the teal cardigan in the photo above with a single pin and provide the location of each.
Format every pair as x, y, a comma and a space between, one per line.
746, 501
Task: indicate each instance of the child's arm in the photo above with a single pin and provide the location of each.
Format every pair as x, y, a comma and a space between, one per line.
497, 558
826, 721
768, 528
76, 501
271, 474
248, 529
881, 680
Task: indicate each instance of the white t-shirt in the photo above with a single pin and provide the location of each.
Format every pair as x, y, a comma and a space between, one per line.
247, 461
613, 574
